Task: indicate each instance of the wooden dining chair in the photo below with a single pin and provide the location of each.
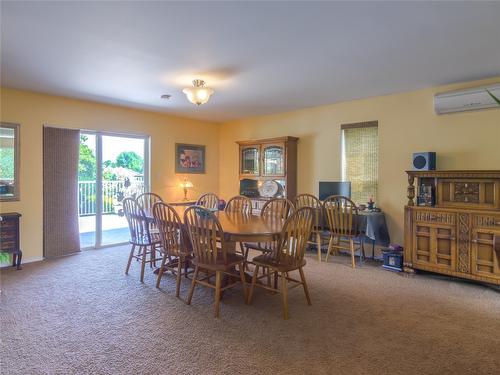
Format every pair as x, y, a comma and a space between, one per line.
274, 209
147, 200
174, 249
342, 219
140, 236
205, 232
239, 204
309, 200
288, 257
208, 200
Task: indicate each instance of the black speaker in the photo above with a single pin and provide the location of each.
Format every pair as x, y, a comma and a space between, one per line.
424, 161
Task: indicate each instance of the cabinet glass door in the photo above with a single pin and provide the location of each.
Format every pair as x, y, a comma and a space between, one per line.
273, 160
250, 160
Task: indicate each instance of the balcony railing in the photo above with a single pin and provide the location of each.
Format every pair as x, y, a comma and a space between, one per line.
110, 195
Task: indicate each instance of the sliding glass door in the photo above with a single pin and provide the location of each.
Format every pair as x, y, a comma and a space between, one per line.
112, 167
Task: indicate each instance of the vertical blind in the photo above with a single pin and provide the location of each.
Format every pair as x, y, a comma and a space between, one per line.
360, 159
60, 191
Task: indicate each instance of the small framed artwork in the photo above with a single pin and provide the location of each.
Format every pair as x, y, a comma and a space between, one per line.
189, 158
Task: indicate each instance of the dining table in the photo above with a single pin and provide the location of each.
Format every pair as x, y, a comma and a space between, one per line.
236, 227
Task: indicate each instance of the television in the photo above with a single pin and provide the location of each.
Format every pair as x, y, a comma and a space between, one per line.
327, 188
249, 188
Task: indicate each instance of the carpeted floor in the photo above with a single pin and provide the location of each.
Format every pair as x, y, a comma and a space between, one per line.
82, 315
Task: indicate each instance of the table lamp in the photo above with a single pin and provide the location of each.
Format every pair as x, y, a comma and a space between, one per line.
186, 185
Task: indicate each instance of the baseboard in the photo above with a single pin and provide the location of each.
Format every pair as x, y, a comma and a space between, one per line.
24, 261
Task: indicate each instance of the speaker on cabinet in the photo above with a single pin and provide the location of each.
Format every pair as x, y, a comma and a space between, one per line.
424, 161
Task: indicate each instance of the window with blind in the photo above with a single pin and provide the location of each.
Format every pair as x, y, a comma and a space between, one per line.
360, 159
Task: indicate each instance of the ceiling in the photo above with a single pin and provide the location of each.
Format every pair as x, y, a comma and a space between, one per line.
260, 57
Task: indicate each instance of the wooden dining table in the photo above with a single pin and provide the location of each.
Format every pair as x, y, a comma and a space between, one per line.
238, 227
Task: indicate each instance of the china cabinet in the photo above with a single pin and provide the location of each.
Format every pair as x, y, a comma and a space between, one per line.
262, 160
457, 231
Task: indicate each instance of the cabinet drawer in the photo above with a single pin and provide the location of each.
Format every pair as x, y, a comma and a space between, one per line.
7, 226
486, 221
434, 217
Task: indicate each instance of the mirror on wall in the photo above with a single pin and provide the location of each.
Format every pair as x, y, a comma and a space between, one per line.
9, 162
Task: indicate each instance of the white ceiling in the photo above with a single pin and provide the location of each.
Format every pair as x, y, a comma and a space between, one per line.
260, 57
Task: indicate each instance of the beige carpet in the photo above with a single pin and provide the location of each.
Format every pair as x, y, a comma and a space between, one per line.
82, 315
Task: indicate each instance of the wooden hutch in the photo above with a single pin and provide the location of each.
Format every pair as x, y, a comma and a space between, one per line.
264, 160
453, 227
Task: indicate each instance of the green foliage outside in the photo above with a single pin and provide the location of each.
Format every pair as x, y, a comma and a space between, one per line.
129, 160
87, 165
7, 163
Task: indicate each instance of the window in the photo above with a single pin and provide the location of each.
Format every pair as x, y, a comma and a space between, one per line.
9, 162
360, 159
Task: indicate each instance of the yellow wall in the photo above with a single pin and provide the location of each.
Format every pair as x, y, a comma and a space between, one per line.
407, 124
33, 110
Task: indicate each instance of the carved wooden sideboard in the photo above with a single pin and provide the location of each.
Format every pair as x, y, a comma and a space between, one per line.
457, 232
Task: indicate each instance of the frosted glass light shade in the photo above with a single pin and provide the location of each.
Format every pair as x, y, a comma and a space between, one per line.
198, 94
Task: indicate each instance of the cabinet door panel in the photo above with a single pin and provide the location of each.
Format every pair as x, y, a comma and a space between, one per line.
485, 260
435, 245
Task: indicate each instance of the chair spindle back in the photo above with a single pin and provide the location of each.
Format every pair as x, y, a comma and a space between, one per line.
279, 208
169, 226
309, 200
342, 215
204, 231
136, 218
239, 204
295, 235
147, 200
208, 200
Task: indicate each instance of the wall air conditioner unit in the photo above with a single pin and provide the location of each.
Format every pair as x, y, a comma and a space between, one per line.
466, 100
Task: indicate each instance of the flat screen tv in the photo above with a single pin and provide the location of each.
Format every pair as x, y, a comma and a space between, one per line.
327, 188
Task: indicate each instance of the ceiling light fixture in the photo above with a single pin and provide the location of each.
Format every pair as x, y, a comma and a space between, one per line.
199, 93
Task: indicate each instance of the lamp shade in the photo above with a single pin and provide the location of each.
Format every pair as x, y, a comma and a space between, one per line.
198, 94
186, 184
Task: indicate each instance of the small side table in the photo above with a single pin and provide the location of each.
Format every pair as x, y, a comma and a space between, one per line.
9, 237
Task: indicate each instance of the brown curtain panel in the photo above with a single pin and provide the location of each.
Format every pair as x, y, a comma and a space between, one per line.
60, 191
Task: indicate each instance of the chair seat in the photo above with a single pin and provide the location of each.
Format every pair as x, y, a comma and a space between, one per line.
144, 240
232, 260
281, 265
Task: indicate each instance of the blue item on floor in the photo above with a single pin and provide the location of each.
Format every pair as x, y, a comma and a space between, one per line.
393, 260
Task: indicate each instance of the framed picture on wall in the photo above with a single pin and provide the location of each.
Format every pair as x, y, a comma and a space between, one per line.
189, 158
